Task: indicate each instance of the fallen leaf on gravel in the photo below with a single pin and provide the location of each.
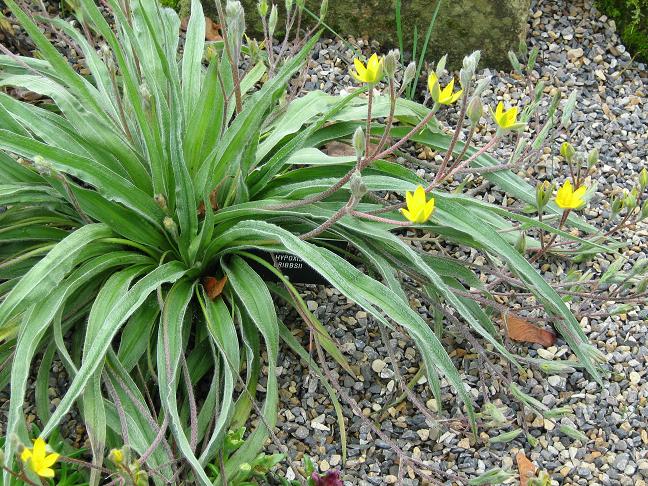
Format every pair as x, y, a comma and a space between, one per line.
519, 329
526, 468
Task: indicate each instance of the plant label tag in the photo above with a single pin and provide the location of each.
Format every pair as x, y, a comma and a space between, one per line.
293, 267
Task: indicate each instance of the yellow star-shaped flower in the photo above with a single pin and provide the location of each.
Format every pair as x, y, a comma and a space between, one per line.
443, 96
419, 209
505, 119
37, 459
372, 73
568, 198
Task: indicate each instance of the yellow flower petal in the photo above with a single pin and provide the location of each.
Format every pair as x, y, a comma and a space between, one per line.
498, 111
50, 459
419, 196
407, 214
432, 80
580, 192
45, 472
409, 199
372, 64
39, 449
25, 455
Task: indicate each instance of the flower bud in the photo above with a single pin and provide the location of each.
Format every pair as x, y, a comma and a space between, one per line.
521, 244
410, 73
246, 467
255, 50
359, 142
146, 96
141, 478
481, 85
440, 67
301, 4
358, 188
323, 10
42, 166
289, 5
160, 200
643, 178
272, 21
616, 204
389, 64
169, 224
235, 16
593, 158
475, 109
568, 151
630, 200
544, 191
262, 8
116, 456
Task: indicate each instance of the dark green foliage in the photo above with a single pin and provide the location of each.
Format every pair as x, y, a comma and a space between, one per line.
631, 17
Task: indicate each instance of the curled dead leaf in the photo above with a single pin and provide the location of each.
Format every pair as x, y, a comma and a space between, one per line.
521, 330
213, 286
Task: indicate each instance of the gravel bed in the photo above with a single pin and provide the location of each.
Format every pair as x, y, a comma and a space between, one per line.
579, 49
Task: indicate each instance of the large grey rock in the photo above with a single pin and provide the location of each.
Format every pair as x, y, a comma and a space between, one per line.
493, 26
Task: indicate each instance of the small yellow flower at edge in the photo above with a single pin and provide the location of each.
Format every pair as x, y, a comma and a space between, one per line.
38, 460
419, 209
506, 120
568, 198
443, 96
372, 73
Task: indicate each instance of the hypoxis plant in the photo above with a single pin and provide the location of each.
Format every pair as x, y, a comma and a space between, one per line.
139, 199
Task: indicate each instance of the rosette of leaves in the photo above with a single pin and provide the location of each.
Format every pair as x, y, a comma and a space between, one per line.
142, 178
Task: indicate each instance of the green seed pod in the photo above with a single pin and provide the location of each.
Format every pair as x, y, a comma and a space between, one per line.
262, 8
289, 5
568, 151
359, 142
475, 109
301, 4
644, 210
643, 179
593, 158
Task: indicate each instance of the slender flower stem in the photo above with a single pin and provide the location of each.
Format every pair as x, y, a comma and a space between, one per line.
369, 110
326, 224
390, 119
455, 138
371, 217
467, 162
